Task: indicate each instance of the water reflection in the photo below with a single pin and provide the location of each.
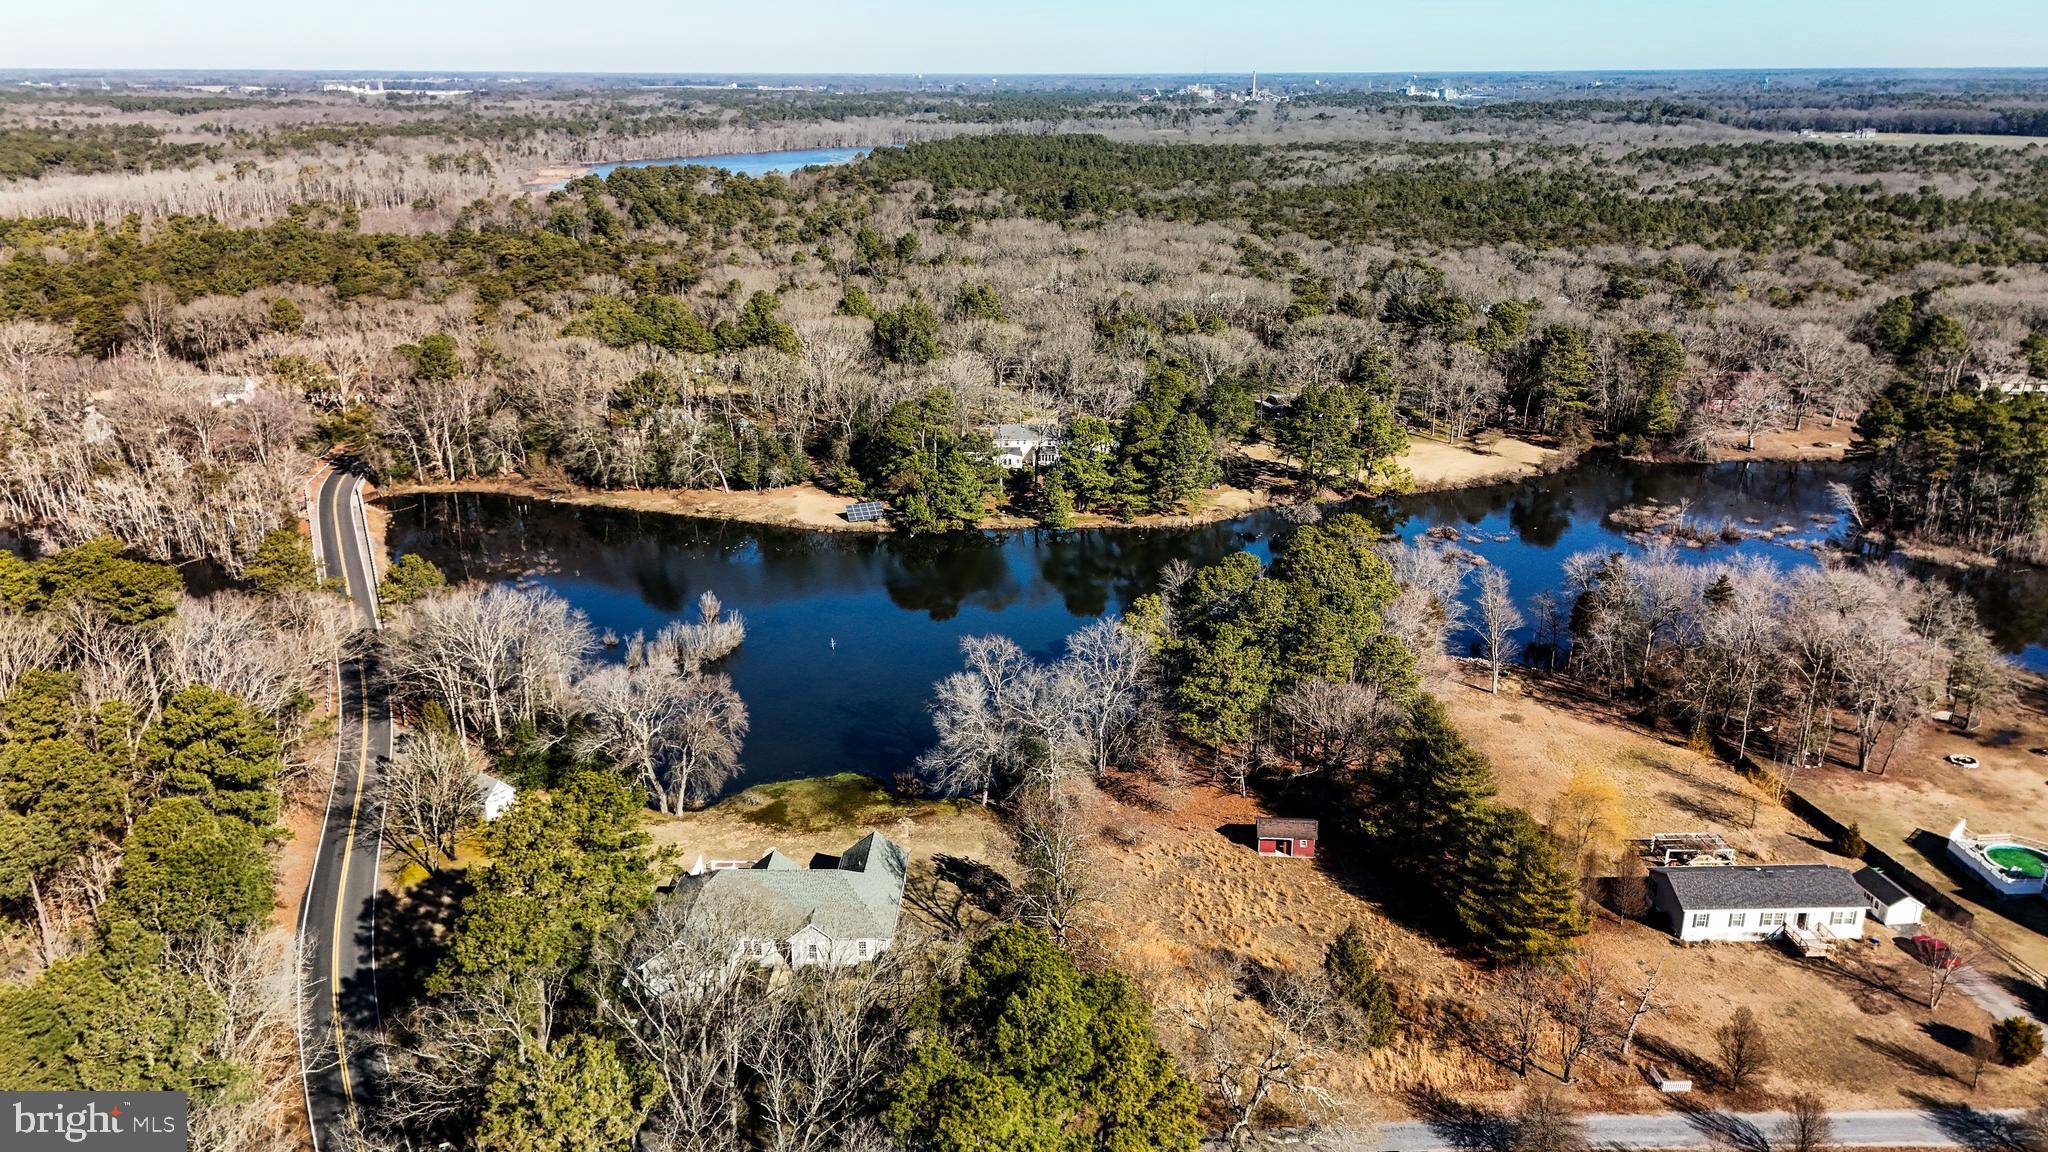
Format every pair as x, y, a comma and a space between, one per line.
847, 633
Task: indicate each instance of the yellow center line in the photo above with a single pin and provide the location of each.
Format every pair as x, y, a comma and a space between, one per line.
348, 847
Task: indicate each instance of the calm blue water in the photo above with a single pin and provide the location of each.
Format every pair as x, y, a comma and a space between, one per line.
748, 163
847, 633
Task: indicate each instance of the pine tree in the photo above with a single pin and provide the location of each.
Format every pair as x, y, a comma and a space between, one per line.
1348, 962
1517, 901
1023, 1051
575, 1096
1564, 371
1430, 800
1187, 464
187, 871
283, 563
212, 746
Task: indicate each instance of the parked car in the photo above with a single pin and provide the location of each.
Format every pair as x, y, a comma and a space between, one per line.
1962, 760
1933, 951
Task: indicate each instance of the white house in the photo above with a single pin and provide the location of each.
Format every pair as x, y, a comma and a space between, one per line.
1811, 903
1026, 445
1890, 904
785, 915
497, 795
2009, 383
219, 391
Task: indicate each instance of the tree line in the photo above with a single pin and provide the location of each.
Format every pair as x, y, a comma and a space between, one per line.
146, 743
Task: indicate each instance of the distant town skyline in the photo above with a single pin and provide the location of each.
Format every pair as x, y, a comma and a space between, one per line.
1047, 36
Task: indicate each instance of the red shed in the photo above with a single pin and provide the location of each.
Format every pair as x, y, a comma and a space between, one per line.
1285, 836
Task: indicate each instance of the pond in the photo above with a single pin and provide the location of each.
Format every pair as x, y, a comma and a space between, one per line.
747, 163
847, 633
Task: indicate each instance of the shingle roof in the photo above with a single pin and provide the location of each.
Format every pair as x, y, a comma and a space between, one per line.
861, 898
1286, 828
1762, 886
1886, 889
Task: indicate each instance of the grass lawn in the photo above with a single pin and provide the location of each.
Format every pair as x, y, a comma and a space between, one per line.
823, 816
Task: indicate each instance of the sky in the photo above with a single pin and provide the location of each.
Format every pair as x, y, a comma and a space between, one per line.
1016, 36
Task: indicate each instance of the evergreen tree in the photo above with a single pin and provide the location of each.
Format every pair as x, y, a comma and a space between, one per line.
1431, 800
1564, 373
128, 592
1517, 901
1321, 432
758, 327
209, 745
1165, 453
564, 867
115, 1017
409, 578
908, 334
285, 316
1083, 467
1657, 361
1224, 660
854, 302
1336, 585
186, 870
1348, 963
977, 302
1187, 463
283, 563
1059, 505
1022, 1051
435, 359
576, 1095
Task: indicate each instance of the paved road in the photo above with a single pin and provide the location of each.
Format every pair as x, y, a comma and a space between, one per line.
1934, 1127
336, 922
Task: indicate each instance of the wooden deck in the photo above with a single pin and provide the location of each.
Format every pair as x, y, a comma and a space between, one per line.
1805, 941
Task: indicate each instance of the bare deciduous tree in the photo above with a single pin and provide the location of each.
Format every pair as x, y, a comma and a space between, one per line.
432, 794
1807, 1127
1340, 725
1516, 1009
1498, 620
1944, 969
494, 657
1582, 1005
1643, 1000
1251, 1054
1543, 1123
1744, 1051
1104, 677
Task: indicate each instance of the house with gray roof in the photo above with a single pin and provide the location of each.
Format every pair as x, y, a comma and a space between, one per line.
1890, 904
1806, 902
784, 915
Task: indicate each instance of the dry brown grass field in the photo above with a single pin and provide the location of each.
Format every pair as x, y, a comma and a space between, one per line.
1908, 810
1181, 898
1187, 895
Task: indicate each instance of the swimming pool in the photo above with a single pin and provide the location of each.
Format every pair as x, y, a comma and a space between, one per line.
2018, 858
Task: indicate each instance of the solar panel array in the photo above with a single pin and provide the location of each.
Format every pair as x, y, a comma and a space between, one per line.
864, 511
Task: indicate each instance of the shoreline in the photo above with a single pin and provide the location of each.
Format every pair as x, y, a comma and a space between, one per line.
1441, 466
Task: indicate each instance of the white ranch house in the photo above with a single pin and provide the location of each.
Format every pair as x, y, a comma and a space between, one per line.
1809, 903
784, 915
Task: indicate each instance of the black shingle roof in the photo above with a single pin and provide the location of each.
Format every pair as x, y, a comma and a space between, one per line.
1763, 886
1886, 889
